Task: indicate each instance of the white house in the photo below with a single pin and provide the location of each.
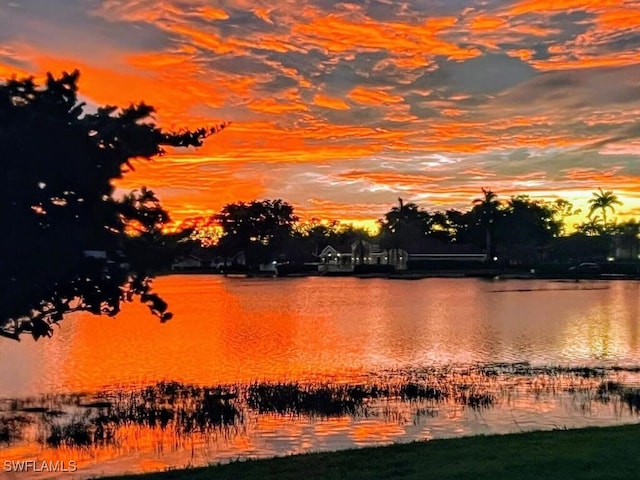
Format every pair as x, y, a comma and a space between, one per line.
361, 252
335, 261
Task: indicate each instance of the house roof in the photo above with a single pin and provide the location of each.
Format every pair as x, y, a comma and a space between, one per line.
327, 250
371, 247
341, 249
424, 246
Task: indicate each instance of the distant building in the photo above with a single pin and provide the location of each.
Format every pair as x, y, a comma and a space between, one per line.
190, 262
361, 252
334, 260
430, 254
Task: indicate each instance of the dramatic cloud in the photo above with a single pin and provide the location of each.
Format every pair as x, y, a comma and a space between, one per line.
341, 107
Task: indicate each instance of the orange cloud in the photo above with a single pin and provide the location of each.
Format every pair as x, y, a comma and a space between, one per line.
275, 106
478, 173
593, 175
212, 13
336, 34
359, 213
392, 178
369, 96
487, 23
263, 14
545, 6
582, 61
620, 18
170, 96
330, 102
209, 41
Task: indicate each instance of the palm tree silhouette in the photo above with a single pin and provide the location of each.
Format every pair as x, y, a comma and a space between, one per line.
603, 201
488, 205
591, 227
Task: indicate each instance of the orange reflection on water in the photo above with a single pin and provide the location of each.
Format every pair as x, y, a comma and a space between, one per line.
230, 330
374, 433
606, 328
213, 338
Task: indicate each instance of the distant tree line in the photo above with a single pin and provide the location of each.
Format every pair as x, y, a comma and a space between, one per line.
518, 230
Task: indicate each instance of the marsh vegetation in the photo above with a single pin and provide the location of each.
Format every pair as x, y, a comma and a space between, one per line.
174, 415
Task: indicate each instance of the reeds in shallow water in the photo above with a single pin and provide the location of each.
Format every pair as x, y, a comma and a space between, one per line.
179, 411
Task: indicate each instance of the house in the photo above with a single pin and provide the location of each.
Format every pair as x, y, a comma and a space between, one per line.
221, 262
360, 252
189, 262
335, 260
428, 254
367, 253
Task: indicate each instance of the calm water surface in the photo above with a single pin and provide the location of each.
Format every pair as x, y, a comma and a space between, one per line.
235, 331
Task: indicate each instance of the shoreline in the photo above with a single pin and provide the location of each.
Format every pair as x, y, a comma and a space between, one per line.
491, 274
588, 453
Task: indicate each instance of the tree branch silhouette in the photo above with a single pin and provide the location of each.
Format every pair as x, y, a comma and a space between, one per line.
65, 244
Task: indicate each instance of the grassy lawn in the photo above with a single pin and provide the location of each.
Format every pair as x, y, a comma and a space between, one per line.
593, 453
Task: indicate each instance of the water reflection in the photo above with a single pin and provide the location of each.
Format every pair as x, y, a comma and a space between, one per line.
241, 330
319, 364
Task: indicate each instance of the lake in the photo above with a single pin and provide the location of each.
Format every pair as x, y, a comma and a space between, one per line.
375, 360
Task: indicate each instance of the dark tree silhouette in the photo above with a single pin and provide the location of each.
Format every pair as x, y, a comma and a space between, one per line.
404, 226
525, 227
625, 236
591, 227
259, 229
315, 235
563, 209
64, 245
603, 201
487, 207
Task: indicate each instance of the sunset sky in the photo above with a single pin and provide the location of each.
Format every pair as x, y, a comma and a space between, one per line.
341, 107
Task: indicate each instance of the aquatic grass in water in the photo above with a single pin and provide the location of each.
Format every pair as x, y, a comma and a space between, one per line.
324, 400
416, 391
73, 434
12, 427
607, 389
631, 396
182, 411
185, 408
